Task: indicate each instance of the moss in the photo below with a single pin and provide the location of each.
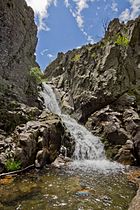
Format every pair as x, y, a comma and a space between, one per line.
94, 55
76, 58
122, 41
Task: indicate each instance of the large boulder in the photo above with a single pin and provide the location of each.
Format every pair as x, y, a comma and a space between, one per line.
38, 141
119, 130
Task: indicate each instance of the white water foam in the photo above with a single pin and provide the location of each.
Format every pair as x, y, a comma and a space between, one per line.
50, 99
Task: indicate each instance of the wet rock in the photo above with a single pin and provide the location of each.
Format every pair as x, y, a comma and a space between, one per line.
125, 154
42, 158
61, 161
135, 204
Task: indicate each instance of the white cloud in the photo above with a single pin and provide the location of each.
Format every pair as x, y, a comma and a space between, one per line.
40, 8
44, 52
50, 56
125, 15
135, 8
131, 13
80, 5
114, 6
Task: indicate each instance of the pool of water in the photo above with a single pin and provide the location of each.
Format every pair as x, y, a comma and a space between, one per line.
67, 189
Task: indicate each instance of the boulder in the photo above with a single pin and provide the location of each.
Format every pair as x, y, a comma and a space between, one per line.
37, 141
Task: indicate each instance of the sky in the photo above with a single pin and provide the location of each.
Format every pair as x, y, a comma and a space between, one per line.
67, 24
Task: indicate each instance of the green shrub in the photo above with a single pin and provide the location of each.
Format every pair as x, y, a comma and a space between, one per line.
76, 58
122, 41
37, 74
12, 165
94, 55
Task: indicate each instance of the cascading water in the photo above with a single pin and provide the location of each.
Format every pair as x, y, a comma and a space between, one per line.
87, 145
50, 99
89, 151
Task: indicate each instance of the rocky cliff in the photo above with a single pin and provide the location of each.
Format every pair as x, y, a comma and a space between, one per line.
17, 47
99, 85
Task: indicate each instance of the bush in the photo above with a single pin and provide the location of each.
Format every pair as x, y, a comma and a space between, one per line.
122, 41
12, 165
37, 74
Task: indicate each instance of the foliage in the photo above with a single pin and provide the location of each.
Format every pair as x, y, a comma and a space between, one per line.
94, 55
44, 80
12, 165
122, 41
37, 74
76, 58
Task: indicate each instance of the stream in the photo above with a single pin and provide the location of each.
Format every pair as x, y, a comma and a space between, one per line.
89, 182
67, 189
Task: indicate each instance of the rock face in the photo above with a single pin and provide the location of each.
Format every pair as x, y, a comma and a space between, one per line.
38, 141
107, 73
17, 47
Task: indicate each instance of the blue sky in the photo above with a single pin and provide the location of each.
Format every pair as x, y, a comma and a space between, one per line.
67, 24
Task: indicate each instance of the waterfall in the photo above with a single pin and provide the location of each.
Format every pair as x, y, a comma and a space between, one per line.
50, 99
88, 148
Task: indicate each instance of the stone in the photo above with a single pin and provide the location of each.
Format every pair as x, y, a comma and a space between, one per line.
135, 204
130, 115
126, 154
59, 161
42, 157
37, 142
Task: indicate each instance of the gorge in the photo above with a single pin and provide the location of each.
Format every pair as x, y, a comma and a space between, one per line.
98, 90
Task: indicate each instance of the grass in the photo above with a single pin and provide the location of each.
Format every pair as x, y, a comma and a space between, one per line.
12, 165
